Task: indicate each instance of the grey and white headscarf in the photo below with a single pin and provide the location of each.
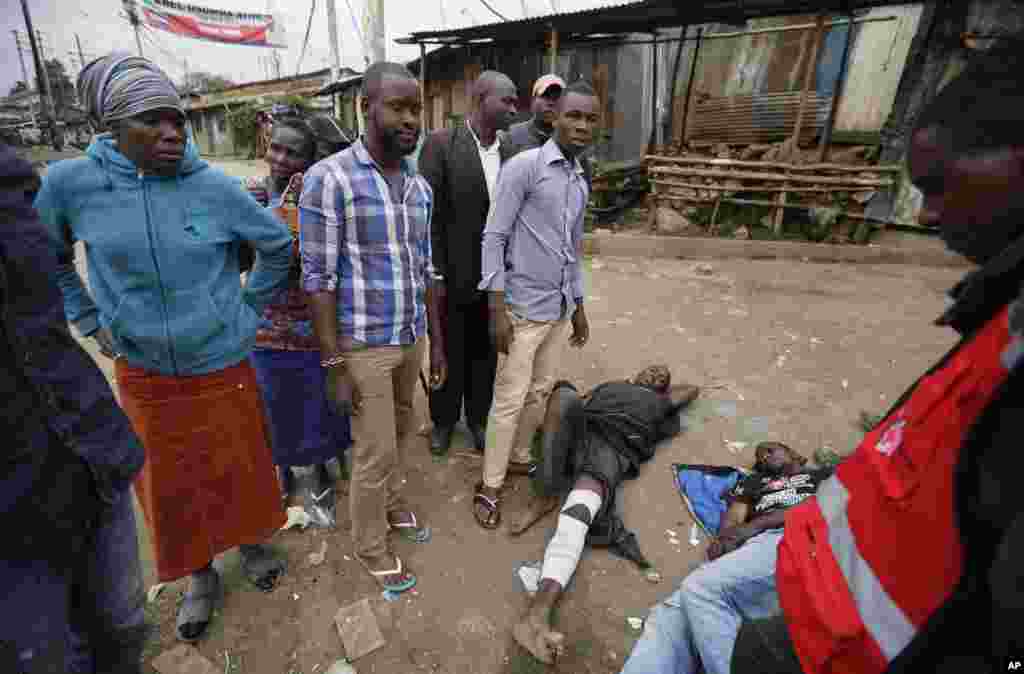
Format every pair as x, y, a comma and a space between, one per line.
119, 86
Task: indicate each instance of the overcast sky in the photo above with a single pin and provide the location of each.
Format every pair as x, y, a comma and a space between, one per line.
101, 26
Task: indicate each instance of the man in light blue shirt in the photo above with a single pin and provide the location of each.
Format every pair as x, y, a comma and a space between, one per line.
532, 250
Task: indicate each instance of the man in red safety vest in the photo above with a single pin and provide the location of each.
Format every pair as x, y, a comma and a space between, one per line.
909, 559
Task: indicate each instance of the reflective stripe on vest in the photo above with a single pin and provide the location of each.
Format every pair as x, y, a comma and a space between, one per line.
884, 620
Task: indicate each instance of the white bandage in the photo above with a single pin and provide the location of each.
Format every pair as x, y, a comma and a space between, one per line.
566, 546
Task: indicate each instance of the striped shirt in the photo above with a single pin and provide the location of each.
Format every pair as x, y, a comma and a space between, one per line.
370, 244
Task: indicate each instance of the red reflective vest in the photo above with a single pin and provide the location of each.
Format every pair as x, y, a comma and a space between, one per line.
864, 563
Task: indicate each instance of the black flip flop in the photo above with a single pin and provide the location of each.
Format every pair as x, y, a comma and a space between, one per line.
264, 579
197, 608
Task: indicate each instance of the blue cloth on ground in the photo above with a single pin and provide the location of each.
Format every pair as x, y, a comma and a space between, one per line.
702, 488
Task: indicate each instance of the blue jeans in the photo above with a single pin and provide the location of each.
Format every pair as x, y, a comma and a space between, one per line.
86, 619
697, 625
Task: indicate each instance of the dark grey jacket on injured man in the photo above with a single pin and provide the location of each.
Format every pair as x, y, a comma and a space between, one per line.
606, 435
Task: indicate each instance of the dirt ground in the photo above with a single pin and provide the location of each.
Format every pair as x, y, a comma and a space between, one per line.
787, 351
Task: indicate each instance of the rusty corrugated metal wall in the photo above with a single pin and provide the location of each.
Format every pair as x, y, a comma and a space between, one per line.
746, 74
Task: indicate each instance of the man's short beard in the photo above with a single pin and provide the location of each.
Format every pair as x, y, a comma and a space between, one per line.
769, 470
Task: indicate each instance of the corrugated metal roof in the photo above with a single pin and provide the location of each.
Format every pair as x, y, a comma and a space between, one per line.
636, 17
341, 85
625, 11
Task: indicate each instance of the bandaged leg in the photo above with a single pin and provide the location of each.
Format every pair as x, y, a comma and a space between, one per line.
564, 550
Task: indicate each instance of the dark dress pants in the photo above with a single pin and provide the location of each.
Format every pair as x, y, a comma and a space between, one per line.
472, 363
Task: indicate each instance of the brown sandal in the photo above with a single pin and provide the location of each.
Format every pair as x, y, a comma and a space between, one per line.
493, 506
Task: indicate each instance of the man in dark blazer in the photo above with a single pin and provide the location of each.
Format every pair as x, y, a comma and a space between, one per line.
461, 165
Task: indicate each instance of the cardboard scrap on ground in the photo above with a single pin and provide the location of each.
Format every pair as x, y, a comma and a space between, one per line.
184, 659
358, 628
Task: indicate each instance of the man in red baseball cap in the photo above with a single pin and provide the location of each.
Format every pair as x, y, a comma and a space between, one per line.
535, 131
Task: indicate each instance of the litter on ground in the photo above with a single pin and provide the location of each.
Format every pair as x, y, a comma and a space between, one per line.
297, 517
358, 628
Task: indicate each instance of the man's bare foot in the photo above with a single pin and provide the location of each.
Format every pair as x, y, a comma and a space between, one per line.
535, 635
536, 509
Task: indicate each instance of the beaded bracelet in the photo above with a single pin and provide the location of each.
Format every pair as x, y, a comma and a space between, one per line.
333, 361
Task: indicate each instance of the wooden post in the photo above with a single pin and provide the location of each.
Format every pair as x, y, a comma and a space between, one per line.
689, 83
423, 87
780, 209
780, 200
826, 133
819, 29
553, 50
654, 92
712, 226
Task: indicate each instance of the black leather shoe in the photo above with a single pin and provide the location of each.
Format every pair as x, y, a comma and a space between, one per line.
440, 440
479, 434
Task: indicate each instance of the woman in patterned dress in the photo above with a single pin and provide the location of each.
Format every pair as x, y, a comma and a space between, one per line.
304, 429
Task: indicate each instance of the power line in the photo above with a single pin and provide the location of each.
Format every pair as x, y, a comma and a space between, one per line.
150, 39
305, 42
359, 32
493, 11
153, 39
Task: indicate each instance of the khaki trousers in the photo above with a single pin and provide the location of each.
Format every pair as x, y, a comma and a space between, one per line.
386, 377
524, 380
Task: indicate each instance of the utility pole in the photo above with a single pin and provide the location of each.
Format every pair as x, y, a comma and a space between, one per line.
42, 45
44, 79
133, 19
332, 35
376, 37
24, 74
81, 54
444, 15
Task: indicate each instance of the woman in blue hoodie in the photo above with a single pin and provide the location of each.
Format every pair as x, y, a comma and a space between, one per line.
162, 231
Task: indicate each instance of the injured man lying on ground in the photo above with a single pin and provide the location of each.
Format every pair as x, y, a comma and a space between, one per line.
695, 629
590, 446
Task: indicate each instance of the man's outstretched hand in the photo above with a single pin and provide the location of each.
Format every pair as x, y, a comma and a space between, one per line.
438, 365
728, 540
500, 324
105, 340
343, 392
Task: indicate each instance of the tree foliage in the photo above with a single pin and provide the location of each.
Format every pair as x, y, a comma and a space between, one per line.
244, 125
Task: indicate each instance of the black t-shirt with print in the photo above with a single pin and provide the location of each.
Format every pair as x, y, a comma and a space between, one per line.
767, 494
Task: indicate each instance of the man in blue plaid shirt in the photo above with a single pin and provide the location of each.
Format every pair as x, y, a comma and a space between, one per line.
364, 221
